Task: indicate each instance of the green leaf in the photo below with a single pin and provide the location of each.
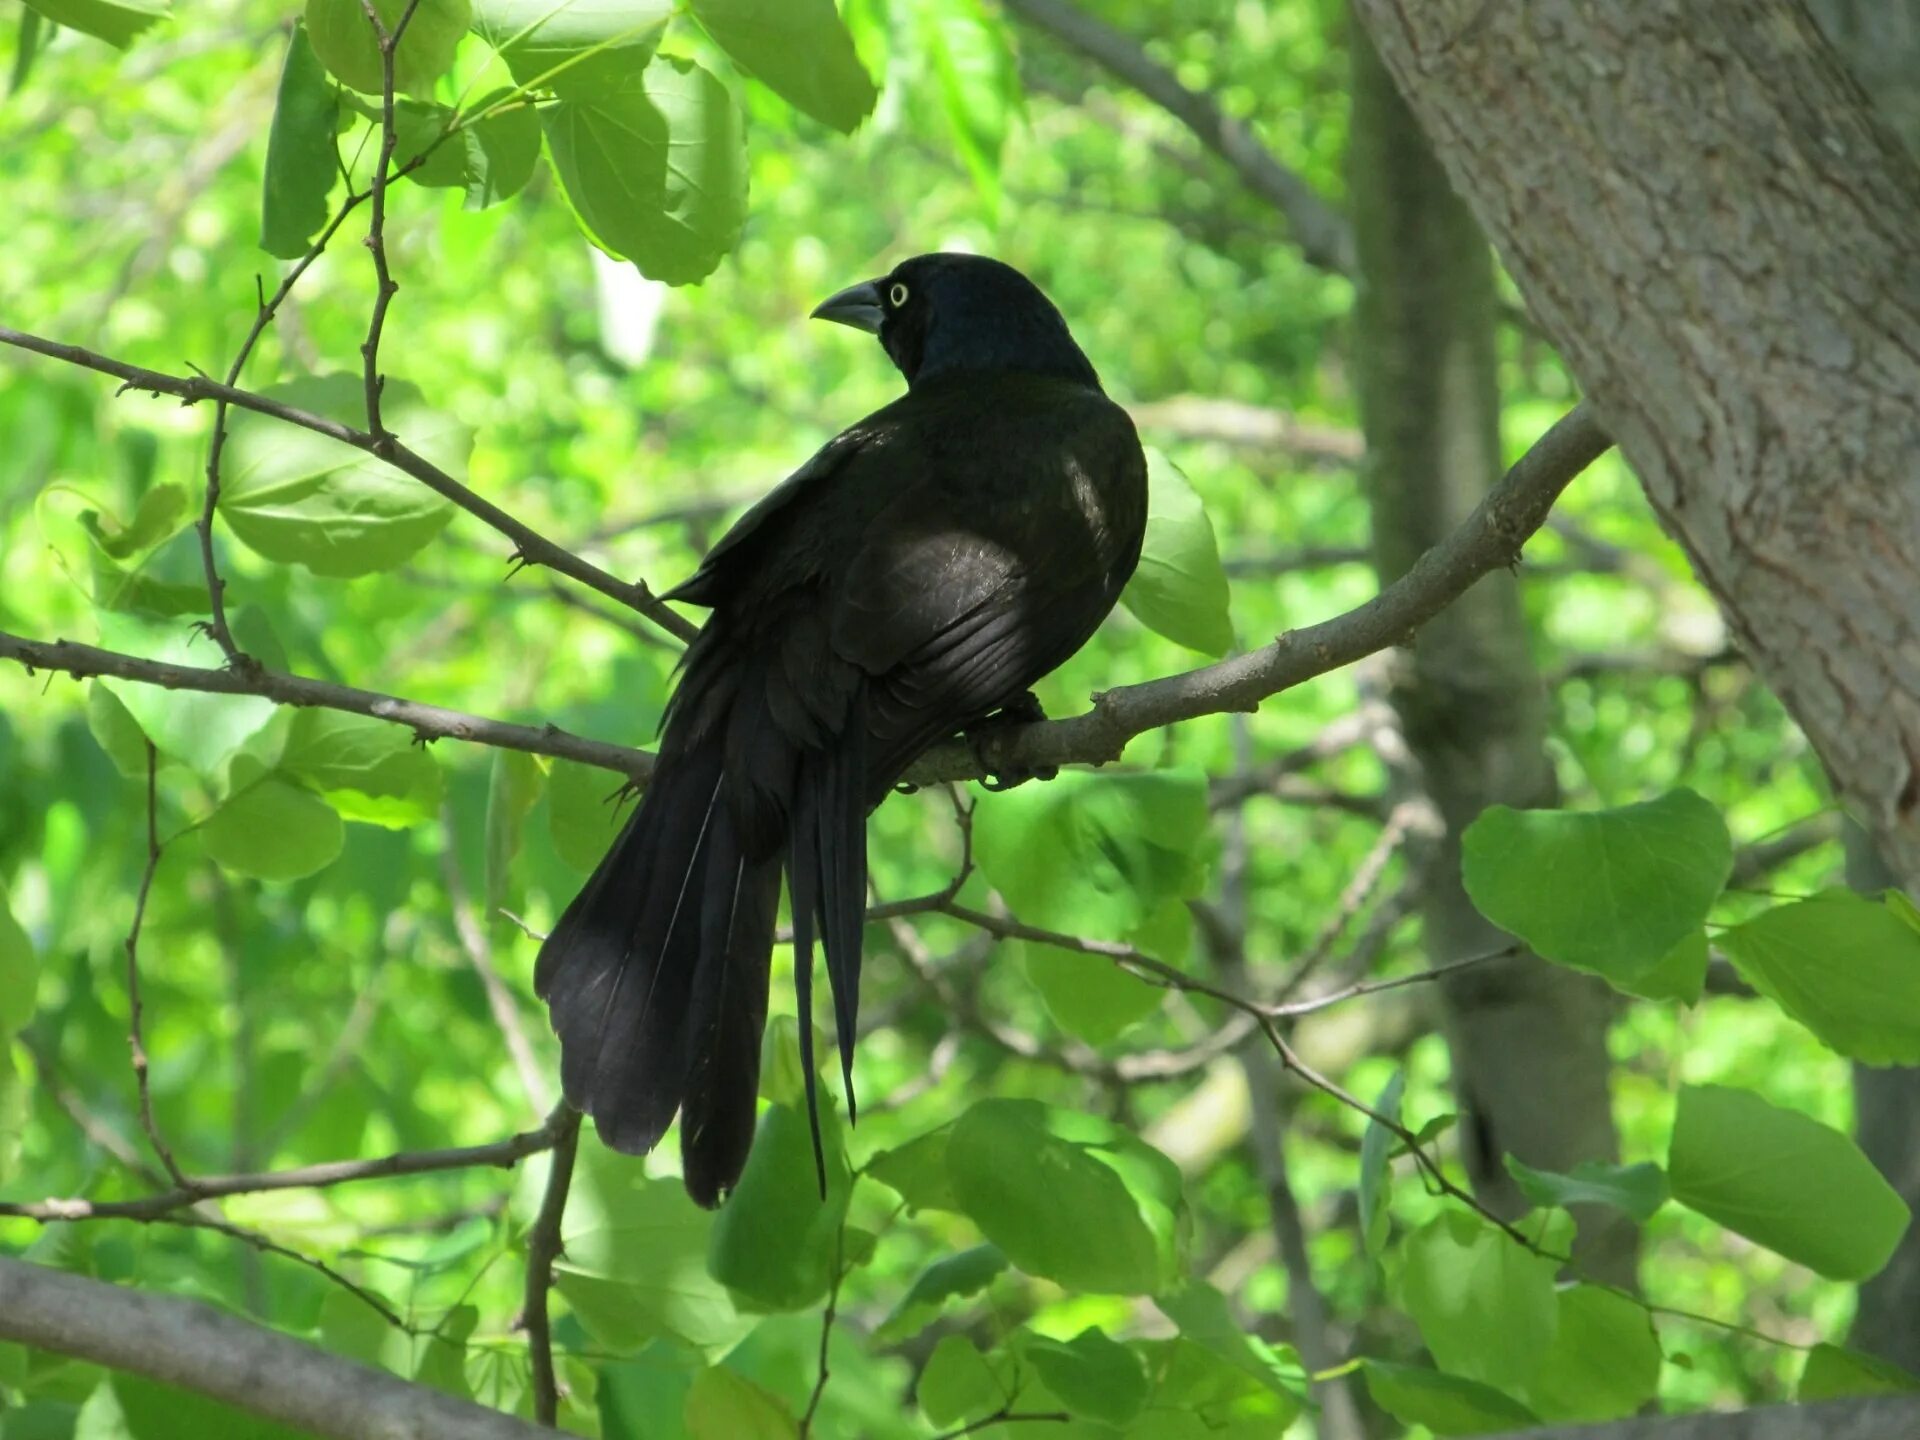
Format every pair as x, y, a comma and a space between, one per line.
1604, 1363
345, 41
300, 154
954, 1278
655, 168
159, 515
187, 725
26, 49
1844, 966
1639, 1190
635, 1262
582, 814
305, 499
1445, 1404
918, 1171
1094, 1376
369, 770
19, 974
114, 21
1088, 995
775, 1242
1204, 1318
1835, 1373
591, 44
491, 158
1093, 854
958, 1383
799, 50
513, 787
979, 85
1681, 974
1376, 1148
156, 1411
724, 1405
117, 732
1180, 587
1783, 1180
271, 828
1484, 1304
1607, 891
1069, 1196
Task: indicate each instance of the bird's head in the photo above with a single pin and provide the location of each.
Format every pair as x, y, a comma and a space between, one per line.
946, 314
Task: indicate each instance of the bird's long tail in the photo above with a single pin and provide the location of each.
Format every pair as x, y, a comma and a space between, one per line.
656, 977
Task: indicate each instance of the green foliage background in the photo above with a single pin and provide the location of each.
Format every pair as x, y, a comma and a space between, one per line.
1016, 1228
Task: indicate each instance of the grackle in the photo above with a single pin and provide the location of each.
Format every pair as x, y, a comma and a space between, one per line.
908, 582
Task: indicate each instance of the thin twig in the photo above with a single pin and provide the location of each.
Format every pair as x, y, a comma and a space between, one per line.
530, 546
428, 722
543, 1248
500, 1000
502, 1154
384, 284
136, 1042
1005, 1415
827, 1315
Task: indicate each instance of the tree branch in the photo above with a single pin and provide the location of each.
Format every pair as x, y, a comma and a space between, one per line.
429, 722
1321, 232
500, 1153
186, 1343
543, 1248
531, 547
1490, 538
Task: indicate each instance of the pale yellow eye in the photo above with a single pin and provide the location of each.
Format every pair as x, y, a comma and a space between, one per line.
897, 296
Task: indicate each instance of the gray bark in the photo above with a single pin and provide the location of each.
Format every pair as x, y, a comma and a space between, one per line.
186, 1343
1884, 1417
1887, 1124
1719, 237
1528, 1040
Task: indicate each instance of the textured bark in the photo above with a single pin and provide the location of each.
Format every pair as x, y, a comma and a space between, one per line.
1528, 1040
1719, 236
1880, 41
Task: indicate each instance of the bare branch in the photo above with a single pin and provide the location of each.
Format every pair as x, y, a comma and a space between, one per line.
429, 722
186, 1343
1321, 232
499, 1153
543, 1247
1489, 539
531, 547
136, 1042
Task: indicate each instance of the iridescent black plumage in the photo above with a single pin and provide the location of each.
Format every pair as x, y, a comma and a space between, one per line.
919, 573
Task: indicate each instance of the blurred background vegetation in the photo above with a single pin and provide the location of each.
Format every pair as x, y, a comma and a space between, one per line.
344, 1015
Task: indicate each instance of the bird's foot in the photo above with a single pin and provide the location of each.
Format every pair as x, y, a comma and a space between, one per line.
1023, 709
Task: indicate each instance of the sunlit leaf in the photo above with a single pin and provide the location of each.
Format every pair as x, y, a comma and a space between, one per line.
952, 1278
19, 973
270, 827
798, 49
199, 729
115, 21
1180, 587
573, 46
775, 1242
1835, 1373
1783, 1180
300, 154
297, 496
1094, 1376
958, 1383
1844, 966
655, 168
1376, 1148
1604, 1363
347, 45
1069, 1196
1609, 891
1484, 1304
1638, 1190
725, 1405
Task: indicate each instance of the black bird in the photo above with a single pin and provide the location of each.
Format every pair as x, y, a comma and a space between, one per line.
908, 582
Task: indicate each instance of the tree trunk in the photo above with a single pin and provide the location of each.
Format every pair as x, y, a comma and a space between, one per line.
1719, 235
1880, 40
1528, 1039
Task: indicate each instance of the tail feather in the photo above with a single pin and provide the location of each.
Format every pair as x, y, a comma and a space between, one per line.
843, 885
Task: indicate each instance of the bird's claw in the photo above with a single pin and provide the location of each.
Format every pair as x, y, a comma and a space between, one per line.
1024, 709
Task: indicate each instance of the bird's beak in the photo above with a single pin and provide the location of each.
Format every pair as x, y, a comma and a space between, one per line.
857, 305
